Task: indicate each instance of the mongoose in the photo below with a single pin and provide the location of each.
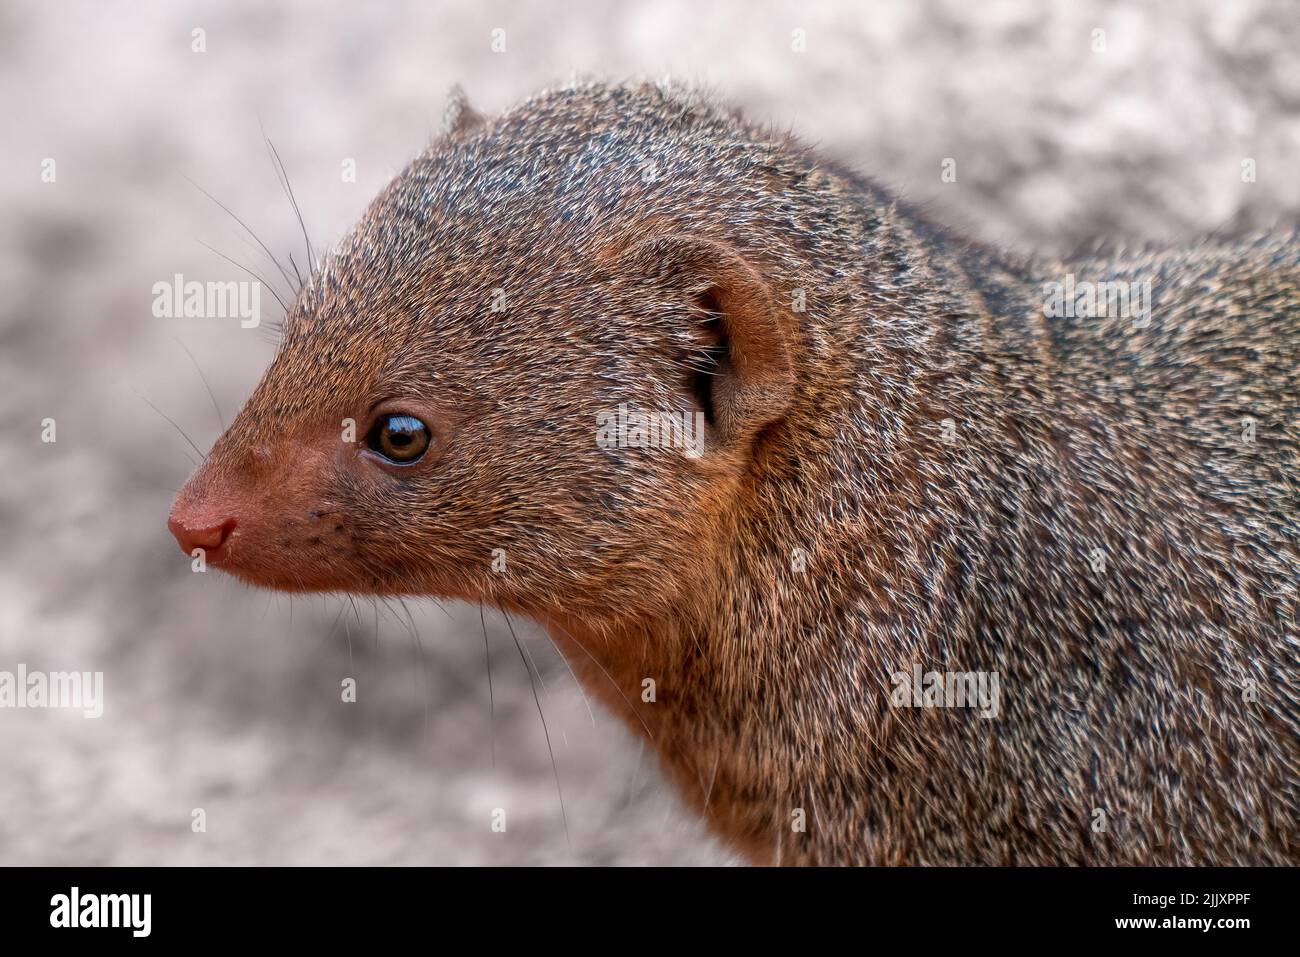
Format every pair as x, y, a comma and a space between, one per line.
914, 474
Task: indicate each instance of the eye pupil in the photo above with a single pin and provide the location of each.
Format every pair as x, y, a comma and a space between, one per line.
399, 438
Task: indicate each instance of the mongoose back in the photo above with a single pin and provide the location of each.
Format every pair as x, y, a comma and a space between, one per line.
915, 488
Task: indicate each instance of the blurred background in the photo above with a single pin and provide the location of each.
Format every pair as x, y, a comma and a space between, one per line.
227, 699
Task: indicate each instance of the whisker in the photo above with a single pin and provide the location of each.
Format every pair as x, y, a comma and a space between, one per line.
578, 684
247, 229
361, 629
532, 661
712, 778
283, 176
492, 701
288, 279
355, 614
631, 707
239, 265
174, 425
414, 644
636, 771
545, 730
424, 662
216, 408
334, 624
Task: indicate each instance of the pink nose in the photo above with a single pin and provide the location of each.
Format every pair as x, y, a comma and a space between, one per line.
210, 538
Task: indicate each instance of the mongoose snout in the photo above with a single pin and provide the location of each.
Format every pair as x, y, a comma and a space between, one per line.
195, 533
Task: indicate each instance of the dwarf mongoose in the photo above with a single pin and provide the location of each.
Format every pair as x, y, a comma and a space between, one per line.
952, 572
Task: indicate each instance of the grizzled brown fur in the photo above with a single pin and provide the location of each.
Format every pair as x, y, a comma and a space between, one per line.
634, 236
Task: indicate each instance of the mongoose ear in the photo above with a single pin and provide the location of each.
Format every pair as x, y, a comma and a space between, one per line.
738, 319
458, 116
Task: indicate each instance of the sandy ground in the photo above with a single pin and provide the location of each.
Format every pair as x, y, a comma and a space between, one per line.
214, 697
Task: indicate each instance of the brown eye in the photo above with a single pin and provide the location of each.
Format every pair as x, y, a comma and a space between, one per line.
399, 438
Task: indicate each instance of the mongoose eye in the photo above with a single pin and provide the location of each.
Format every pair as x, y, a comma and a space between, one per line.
399, 438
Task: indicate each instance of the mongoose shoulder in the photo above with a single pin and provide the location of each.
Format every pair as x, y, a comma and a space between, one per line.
913, 474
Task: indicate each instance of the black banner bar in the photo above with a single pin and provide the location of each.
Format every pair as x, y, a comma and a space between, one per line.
336, 907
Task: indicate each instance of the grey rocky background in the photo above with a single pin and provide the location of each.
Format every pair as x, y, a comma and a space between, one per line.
215, 700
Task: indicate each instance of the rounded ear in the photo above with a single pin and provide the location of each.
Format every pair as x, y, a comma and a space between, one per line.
742, 323
458, 116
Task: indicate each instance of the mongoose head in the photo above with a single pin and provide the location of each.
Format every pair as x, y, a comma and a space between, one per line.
457, 405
